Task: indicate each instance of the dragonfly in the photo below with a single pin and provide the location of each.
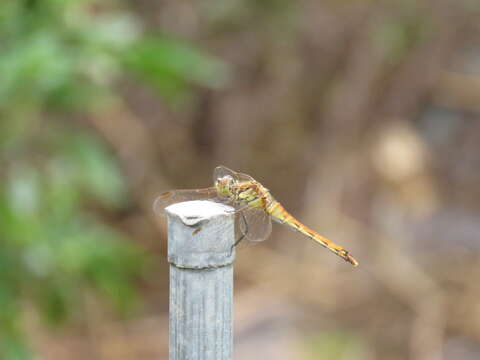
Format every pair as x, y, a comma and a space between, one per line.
254, 207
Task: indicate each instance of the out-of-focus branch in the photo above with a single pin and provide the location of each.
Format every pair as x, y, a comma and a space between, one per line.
459, 91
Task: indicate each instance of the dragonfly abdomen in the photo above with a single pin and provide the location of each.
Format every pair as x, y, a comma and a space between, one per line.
278, 213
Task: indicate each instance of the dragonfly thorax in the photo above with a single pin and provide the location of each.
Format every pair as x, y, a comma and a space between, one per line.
243, 193
251, 194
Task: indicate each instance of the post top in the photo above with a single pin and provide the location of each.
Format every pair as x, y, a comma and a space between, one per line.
193, 212
201, 234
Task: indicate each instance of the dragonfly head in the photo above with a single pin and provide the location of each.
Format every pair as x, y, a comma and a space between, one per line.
224, 185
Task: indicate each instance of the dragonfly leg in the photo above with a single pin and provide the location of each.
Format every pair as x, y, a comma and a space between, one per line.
236, 211
244, 233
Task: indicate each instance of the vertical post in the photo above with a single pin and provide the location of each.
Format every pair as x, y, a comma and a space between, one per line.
201, 254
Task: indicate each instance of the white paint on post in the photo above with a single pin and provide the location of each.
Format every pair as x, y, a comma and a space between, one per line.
201, 235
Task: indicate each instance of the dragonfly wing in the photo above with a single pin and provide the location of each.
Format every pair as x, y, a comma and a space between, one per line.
254, 223
221, 171
245, 177
176, 196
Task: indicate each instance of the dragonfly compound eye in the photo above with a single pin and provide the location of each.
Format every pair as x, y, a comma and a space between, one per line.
224, 185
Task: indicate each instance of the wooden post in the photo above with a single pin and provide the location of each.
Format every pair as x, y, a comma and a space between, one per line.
201, 254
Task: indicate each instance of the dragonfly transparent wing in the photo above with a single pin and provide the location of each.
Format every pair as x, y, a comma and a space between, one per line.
221, 171
245, 177
254, 223
176, 196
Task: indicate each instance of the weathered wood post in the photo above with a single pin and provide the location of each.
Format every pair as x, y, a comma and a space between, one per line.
201, 254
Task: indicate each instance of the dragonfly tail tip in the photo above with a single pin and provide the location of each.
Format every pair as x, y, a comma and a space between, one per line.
352, 261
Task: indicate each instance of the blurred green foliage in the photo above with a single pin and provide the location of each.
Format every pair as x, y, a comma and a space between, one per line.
60, 58
170, 66
334, 345
52, 250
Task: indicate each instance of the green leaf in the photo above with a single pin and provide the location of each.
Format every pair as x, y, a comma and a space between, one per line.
96, 169
172, 66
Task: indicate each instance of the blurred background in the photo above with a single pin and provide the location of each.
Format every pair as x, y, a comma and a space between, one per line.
361, 117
